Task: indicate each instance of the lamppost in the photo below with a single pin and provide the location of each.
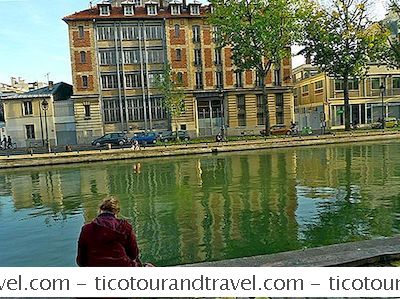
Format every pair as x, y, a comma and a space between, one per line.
222, 105
382, 88
45, 106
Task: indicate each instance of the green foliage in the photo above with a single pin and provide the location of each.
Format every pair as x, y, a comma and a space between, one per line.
392, 55
341, 41
259, 32
173, 96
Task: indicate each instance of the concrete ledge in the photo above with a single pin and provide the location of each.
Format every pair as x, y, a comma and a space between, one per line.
353, 254
189, 149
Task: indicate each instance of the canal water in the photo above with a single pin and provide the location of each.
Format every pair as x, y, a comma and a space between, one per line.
205, 208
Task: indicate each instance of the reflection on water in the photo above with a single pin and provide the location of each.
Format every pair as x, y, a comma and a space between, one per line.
205, 208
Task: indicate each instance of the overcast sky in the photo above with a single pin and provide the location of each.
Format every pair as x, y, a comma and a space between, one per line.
34, 39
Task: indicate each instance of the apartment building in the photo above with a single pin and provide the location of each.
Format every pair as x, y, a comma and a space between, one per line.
117, 50
319, 98
41, 116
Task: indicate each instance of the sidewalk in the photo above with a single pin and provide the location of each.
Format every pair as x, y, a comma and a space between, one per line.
26, 160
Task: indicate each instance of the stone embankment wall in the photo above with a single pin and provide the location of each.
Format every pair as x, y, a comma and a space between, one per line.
189, 149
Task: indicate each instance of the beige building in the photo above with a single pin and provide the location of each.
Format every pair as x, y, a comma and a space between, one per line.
41, 116
319, 98
118, 48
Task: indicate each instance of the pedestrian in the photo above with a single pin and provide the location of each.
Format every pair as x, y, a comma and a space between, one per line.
135, 144
4, 142
9, 142
108, 241
218, 138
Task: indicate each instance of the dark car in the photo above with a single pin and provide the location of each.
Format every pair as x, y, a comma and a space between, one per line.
172, 136
111, 138
144, 138
278, 130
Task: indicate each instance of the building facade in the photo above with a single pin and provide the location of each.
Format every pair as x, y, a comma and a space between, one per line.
319, 98
119, 48
39, 116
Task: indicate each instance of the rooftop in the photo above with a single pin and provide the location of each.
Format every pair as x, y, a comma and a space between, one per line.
140, 13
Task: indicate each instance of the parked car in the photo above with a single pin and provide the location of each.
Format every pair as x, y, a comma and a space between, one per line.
117, 138
144, 138
172, 136
277, 130
390, 122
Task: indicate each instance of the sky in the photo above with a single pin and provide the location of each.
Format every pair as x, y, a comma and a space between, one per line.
34, 39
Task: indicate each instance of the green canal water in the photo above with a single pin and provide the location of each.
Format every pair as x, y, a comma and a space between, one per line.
204, 208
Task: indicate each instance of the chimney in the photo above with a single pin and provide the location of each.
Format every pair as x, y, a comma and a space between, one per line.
50, 85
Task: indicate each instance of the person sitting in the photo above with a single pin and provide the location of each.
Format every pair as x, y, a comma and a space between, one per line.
108, 241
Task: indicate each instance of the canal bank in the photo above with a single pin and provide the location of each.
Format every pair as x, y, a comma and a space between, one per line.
353, 254
14, 161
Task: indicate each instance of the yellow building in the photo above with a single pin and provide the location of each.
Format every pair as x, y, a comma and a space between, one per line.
117, 49
319, 98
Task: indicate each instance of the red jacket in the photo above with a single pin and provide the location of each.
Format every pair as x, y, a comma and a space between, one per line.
107, 242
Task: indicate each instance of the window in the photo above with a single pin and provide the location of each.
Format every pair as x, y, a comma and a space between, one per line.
175, 9
130, 32
30, 131
27, 108
111, 110
177, 30
85, 83
375, 83
319, 85
304, 89
135, 109
353, 84
260, 110
197, 57
131, 56
258, 80
277, 77
218, 55
196, 34
129, 10
104, 10
107, 57
109, 81
133, 80
105, 33
87, 110
199, 80
151, 10
155, 56
279, 108
239, 78
138, 2
83, 56
396, 82
194, 9
81, 32
179, 78
153, 32
178, 54
151, 79
241, 110
219, 79
157, 109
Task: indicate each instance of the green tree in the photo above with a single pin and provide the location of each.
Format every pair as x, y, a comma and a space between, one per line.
259, 33
392, 55
173, 97
342, 41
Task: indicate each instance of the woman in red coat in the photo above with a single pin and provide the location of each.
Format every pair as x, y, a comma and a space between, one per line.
108, 241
